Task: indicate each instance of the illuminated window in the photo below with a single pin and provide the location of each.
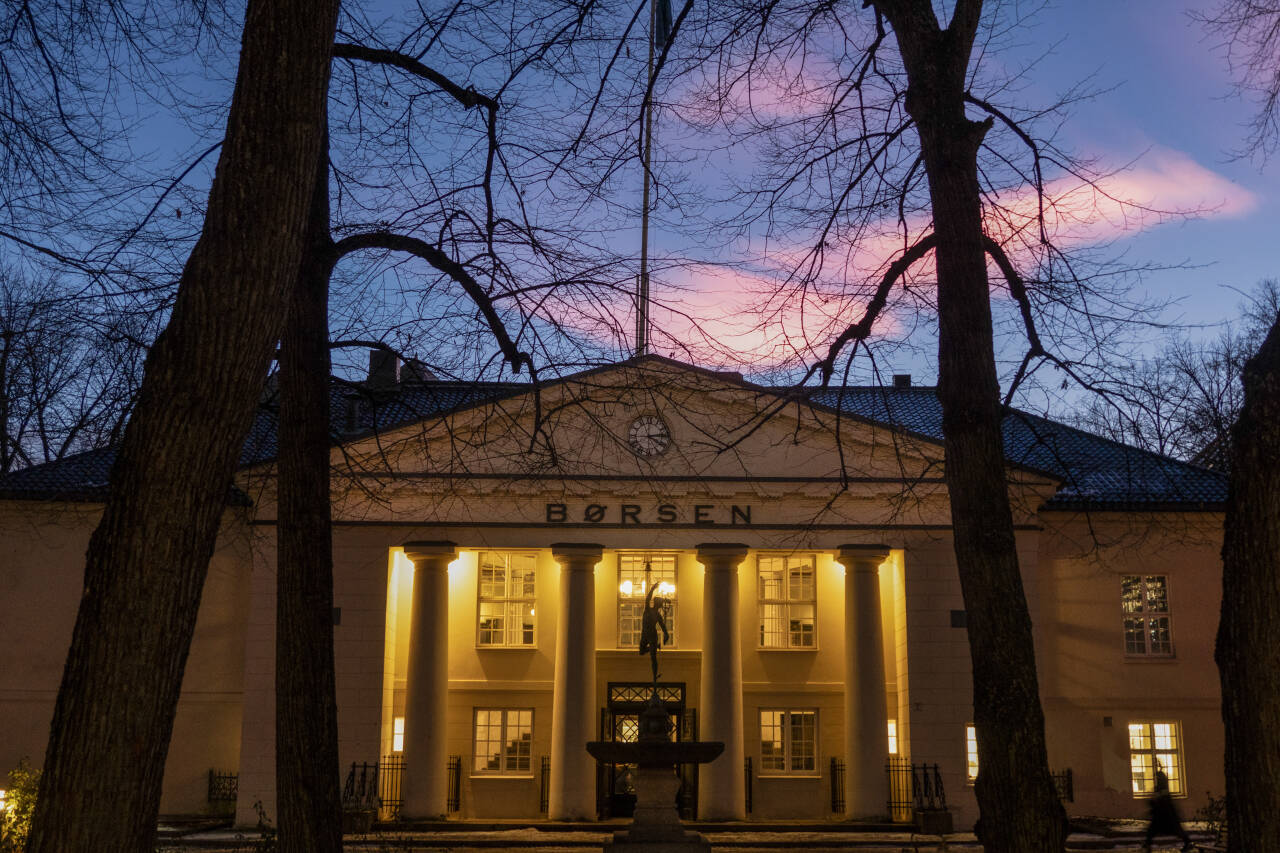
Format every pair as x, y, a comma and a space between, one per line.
506, 599
397, 734
3, 801
632, 589
788, 603
1148, 629
788, 742
1152, 747
503, 741
971, 752
893, 737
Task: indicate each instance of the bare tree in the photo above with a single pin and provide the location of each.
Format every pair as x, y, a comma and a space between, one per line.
148, 557
1248, 650
66, 380
1183, 401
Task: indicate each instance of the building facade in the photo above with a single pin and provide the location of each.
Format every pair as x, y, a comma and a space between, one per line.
493, 551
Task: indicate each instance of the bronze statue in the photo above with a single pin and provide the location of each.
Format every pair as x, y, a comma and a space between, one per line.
649, 626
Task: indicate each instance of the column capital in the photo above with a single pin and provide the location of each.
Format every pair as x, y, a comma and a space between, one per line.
577, 554
724, 555
423, 550
865, 557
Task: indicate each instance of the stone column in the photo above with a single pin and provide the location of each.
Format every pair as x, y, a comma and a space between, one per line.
573, 709
865, 717
721, 790
427, 693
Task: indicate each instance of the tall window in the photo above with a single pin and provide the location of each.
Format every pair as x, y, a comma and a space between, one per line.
788, 742
397, 734
1147, 623
632, 589
893, 737
506, 599
504, 741
1155, 746
971, 752
788, 603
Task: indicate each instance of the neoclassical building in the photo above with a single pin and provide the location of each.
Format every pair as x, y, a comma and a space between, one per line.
494, 545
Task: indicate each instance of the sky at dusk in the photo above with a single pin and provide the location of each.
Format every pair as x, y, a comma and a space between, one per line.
1170, 105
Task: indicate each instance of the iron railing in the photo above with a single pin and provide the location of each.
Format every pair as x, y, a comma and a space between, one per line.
913, 788
223, 787
544, 785
360, 791
837, 786
390, 790
454, 802
746, 772
1065, 785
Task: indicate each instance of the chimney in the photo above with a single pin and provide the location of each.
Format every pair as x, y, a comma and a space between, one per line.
384, 369
902, 380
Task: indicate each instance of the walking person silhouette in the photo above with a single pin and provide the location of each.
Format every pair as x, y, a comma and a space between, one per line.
1164, 814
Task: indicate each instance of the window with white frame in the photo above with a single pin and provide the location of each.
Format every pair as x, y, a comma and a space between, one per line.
788, 602
633, 586
788, 742
1155, 746
397, 734
1148, 628
503, 741
893, 737
507, 598
971, 752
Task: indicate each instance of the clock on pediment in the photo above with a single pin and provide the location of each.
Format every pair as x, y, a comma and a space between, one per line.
649, 436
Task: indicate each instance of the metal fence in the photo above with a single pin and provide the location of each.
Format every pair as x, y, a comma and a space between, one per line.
390, 790
837, 786
454, 803
913, 788
1065, 785
746, 773
360, 791
223, 788
544, 785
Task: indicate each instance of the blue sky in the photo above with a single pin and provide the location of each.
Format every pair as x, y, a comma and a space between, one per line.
1171, 96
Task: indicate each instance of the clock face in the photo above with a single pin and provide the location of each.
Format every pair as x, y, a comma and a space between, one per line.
649, 436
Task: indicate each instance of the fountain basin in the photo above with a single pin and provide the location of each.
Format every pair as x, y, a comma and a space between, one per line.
655, 753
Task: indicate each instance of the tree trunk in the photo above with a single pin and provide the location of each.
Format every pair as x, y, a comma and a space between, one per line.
1248, 651
307, 796
1020, 811
147, 559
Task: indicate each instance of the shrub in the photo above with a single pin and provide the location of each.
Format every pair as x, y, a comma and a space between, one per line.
19, 803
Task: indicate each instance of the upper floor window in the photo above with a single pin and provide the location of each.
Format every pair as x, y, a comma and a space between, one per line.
788, 742
1155, 748
893, 737
633, 588
1148, 628
788, 602
507, 598
503, 740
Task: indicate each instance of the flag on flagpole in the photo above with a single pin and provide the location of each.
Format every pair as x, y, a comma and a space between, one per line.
661, 23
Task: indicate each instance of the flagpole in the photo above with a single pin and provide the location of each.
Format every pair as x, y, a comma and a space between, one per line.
642, 297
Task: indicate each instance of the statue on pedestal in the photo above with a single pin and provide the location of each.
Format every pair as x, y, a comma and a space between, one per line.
650, 623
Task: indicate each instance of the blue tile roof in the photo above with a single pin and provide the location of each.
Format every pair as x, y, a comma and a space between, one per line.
1094, 471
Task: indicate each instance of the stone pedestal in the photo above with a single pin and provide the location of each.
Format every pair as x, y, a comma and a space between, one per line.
656, 826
